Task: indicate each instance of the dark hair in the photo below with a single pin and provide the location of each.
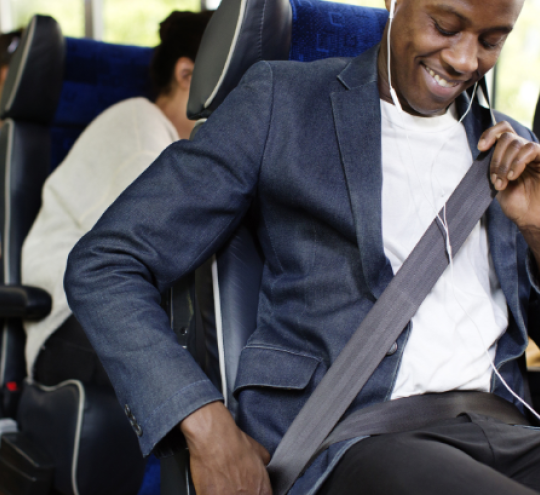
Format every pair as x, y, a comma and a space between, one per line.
8, 44
180, 36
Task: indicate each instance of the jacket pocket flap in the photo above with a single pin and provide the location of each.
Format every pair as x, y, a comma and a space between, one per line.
274, 368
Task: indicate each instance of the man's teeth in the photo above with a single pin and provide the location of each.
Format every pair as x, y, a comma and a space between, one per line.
440, 81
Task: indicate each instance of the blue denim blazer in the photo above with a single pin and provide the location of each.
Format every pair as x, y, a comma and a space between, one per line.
300, 144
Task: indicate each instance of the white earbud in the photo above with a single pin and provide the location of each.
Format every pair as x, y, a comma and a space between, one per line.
393, 93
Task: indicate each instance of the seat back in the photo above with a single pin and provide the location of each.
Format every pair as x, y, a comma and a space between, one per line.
301, 30
28, 103
55, 87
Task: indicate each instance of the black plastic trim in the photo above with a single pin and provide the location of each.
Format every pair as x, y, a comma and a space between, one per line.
38, 58
20, 301
240, 33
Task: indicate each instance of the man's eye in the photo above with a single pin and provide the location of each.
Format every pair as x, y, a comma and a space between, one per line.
491, 45
444, 32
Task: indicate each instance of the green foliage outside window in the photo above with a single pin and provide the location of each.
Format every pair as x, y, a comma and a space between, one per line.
518, 78
136, 22
69, 13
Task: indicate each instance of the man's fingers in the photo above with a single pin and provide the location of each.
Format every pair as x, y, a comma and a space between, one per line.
529, 153
511, 157
491, 135
508, 147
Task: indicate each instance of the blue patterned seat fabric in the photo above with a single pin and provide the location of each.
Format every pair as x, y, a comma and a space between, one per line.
328, 29
96, 76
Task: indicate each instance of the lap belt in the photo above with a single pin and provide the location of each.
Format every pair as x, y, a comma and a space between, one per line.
381, 327
411, 413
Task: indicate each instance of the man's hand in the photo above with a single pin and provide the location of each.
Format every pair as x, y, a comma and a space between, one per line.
515, 173
223, 459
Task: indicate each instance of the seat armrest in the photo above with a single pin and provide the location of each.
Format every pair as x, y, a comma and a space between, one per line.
22, 301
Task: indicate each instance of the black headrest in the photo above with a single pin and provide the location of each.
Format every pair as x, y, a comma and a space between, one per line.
240, 33
34, 79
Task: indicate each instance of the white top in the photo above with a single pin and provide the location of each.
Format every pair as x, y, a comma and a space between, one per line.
423, 160
112, 151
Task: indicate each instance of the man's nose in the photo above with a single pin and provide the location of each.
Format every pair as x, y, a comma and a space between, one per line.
462, 56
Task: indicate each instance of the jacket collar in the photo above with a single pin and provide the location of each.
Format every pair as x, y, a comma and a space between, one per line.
357, 120
362, 70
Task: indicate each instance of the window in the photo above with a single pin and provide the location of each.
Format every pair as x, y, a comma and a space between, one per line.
518, 70
68, 13
136, 22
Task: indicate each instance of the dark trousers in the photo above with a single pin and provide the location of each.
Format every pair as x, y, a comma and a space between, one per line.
468, 455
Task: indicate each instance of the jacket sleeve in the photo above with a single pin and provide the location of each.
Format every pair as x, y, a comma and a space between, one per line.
169, 221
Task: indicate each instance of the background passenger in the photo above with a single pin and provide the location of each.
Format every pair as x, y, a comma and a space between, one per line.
115, 148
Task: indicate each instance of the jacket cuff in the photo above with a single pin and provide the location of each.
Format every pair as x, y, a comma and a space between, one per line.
532, 271
167, 416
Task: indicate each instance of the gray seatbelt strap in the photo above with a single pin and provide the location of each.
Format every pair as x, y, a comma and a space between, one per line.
381, 327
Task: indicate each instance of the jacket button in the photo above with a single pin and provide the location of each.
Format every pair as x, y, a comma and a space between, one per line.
127, 410
137, 429
392, 349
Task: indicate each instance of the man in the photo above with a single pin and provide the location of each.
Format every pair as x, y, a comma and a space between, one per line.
313, 149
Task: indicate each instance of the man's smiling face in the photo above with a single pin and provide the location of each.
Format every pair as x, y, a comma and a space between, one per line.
442, 47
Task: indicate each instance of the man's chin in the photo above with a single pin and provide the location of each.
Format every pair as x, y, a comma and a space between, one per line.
428, 109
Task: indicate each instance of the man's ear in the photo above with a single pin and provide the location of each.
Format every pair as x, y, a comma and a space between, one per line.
183, 70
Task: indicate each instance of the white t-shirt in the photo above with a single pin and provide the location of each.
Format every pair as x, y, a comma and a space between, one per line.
110, 154
423, 160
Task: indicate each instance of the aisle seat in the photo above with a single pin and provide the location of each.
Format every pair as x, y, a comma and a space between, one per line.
78, 436
299, 30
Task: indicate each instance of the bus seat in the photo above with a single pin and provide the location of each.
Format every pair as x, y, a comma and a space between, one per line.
241, 33
314, 30
28, 105
55, 87
306, 30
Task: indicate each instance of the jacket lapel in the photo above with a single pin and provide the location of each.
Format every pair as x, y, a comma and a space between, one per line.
357, 120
